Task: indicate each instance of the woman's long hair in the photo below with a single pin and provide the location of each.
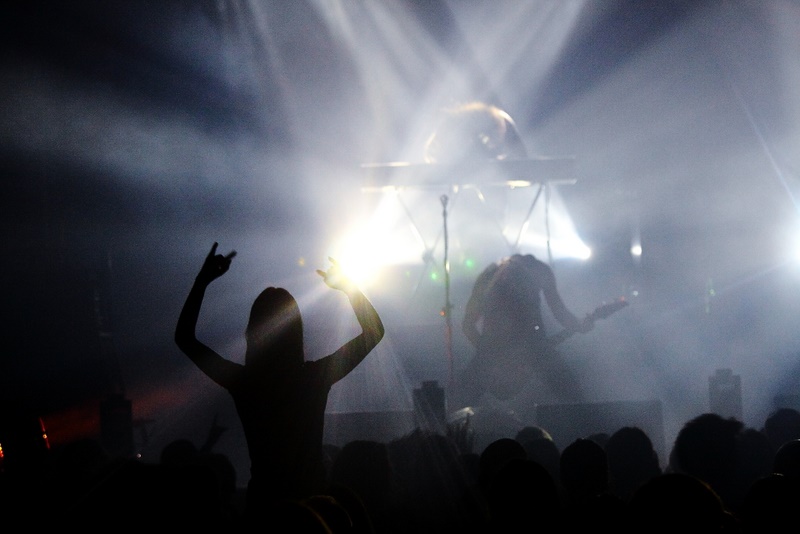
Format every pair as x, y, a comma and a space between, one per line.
274, 331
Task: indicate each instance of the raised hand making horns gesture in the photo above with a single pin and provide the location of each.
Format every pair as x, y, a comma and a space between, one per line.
215, 264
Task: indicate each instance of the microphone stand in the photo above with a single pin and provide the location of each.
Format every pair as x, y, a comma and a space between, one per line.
448, 306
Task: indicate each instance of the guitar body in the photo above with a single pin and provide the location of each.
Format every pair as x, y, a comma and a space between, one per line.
506, 368
505, 365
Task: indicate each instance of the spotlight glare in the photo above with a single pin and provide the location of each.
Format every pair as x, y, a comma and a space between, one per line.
358, 268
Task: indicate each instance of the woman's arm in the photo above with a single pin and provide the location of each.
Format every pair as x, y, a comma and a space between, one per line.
354, 351
212, 364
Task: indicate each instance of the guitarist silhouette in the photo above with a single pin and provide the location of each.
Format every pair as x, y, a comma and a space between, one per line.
503, 322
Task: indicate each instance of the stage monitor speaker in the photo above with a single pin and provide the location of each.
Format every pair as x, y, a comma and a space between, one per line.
342, 427
568, 422
429, 407
725, 393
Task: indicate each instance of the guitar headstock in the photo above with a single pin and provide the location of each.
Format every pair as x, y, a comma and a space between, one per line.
605, 310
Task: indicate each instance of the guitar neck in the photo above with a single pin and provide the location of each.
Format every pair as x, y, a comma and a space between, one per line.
601, 312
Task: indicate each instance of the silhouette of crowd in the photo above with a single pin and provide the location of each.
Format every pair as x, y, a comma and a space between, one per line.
720, 476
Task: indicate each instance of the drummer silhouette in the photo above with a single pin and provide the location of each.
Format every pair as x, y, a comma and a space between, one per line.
470, 135
474, 131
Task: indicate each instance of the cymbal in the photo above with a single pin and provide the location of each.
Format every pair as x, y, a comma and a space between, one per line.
511, 173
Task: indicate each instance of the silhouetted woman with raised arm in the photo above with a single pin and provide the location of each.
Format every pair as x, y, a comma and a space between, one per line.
279, 396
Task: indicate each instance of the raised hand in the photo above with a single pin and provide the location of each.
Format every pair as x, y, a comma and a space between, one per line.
215, 264
335, 278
